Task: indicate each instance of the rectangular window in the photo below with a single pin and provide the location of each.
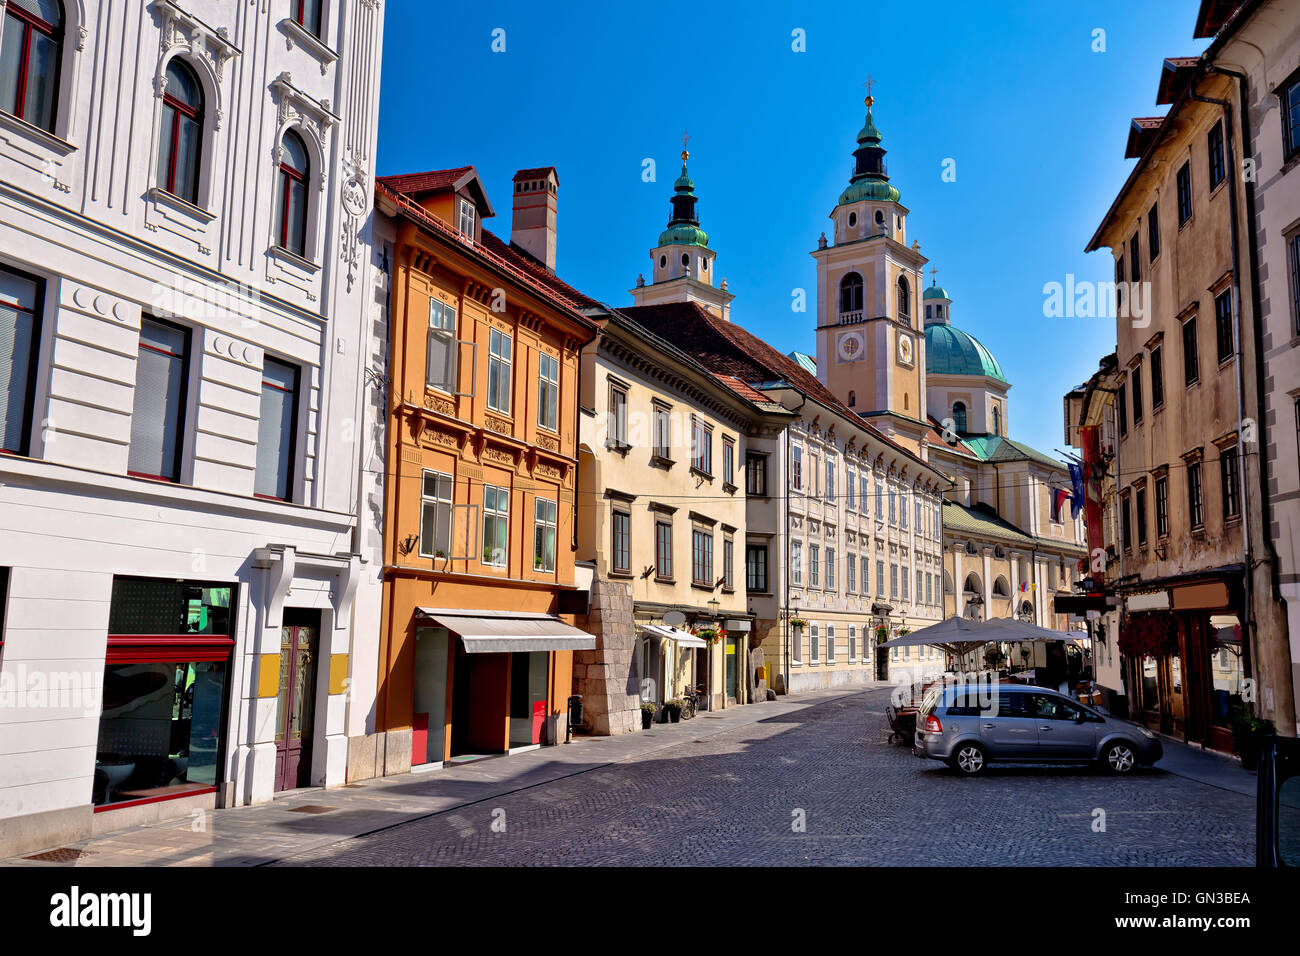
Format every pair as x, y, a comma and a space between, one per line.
918, 516
1162, 507
1289, 95
1121, 409
796, 467
756, 475
893, 507
830, 480
620, 541
1153, 232
616, 423
1134, 258
850, 491
20, 336
728, 564
440, 350
701, 446
814, 566
814, 645
1223, 336
158, 413
756, 568
465, 221
548, 392
1157, 377
902, 510
1140, 501
880, 578
500, 360
796, 562
853, 643
664, 550
276, 431
1184, 193
1126, 525
864, 494
702, 557
850, 574
893, 581
661, 430
1135, 380
830, 569
1191, 362
920, 582
929, 588
903, 582
880, 501
544, 536
866, 575
1214, 142
1228, 466
814, 462
496, 525
728, 461
830, 643
1195, 505
796, 644
435, 514
1293, 245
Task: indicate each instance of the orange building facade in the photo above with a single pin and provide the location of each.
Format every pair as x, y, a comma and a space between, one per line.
481, 473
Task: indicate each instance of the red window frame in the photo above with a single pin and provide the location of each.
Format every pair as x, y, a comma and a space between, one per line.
180, 421
301, 16
290, 176
196, 116
30, 22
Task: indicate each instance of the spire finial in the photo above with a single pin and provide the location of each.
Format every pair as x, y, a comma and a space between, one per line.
869, 84
933, 272
686, 138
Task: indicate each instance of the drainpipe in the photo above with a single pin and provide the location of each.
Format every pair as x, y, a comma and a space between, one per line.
1226, 107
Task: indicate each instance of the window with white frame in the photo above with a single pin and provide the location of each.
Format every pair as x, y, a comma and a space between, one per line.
904, 593
701, 446
850, 573
544, 536
866, 575
158, 412
702, 557
850, 484
440, 350
661, 417
465, 220
796, 562
893, 580
500, 362
814, 645
32, 33
830, 643
880, 578
276, 430
814, 565
496, 525
728, 563
796, 467
616, 418
830, 569
548, 391
830, 479
853, 643
435, 514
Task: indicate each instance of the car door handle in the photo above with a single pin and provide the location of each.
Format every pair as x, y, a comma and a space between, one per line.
989, 726
1044, 727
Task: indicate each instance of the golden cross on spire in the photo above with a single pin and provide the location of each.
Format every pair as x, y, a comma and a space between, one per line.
869, 84
933, 272
686, 138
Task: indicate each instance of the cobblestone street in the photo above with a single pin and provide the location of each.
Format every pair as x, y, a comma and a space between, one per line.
822, 786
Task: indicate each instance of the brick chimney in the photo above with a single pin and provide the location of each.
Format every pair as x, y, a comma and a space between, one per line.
532, 226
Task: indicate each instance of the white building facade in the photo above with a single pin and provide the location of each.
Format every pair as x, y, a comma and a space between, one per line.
187, 307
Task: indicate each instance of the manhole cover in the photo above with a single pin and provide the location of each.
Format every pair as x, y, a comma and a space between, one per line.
312, 808
64, 854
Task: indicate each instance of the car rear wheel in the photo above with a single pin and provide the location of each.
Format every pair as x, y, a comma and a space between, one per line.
970, 759
1119, 758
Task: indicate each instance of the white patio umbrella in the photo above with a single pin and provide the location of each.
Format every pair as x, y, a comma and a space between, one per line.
1010, 630
956, 635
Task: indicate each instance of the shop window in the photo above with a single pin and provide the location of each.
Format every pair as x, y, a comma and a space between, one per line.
276, 431
164, 695
20, 336
158, 411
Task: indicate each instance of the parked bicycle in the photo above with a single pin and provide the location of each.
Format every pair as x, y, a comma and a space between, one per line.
690, 703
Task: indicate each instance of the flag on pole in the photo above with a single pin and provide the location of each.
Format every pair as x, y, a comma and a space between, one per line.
1077, 494
1059, 497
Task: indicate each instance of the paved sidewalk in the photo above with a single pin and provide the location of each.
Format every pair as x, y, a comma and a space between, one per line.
309, 819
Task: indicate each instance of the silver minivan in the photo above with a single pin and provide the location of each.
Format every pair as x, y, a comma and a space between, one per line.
969, 726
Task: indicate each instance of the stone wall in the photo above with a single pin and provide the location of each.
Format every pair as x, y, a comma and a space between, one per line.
606, 677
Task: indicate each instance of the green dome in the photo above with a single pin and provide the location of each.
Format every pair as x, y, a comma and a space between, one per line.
950, 351
936, 292
683, 235
876, 190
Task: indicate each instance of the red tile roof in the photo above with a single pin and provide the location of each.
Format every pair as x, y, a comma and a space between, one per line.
537, 172
416, 185
519, 266
731, 351
744, 391
1140, 133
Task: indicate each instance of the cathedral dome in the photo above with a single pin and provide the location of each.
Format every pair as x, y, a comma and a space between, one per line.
875, 190
936, 292
950, 351
683, 234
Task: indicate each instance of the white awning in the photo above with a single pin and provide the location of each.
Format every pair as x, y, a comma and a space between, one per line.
503, 632
684, 638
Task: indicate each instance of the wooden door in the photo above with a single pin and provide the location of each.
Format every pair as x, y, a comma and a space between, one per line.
293, 728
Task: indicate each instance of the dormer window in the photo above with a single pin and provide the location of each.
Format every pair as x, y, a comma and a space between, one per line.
465, 222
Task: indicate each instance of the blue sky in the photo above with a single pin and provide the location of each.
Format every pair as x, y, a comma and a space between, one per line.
1013, 92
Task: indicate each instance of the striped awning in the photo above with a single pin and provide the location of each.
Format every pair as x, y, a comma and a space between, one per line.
504, 632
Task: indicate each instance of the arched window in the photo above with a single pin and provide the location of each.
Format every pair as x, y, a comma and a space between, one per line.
851, 293
180, 144
1000, 587
972, 585
307, 13
904, 298
997, 420
853, 399
29, 60
959, 417
295, 173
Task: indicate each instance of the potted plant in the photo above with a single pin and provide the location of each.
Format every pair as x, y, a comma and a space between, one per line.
882, 634
648, 711
710, 633
798, 623
1248, 733
673, 708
